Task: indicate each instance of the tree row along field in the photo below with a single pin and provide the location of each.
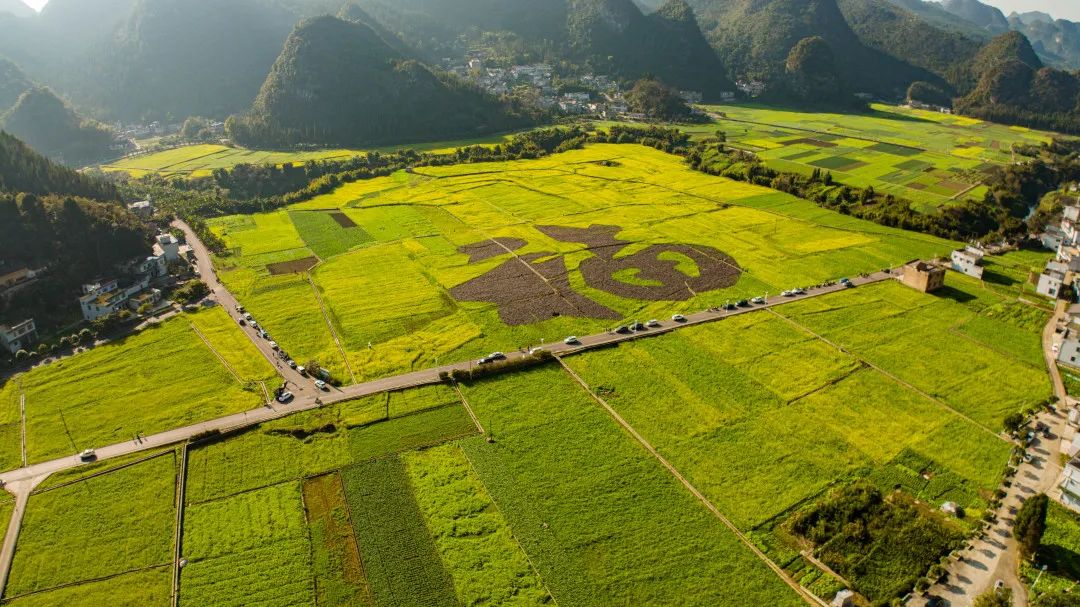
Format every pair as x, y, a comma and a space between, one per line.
396, 499
159, 378
466, 259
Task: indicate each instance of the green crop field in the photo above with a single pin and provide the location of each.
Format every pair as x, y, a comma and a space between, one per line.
113, 524
762, 415
146, 588
603, 522
251, 548
450, 263
339, 573
201, 160
160, 378
326, 439
470, 534
929, 158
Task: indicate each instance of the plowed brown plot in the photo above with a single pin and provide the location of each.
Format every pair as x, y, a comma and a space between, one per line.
296, 266
487, 249
339, 573
342, 219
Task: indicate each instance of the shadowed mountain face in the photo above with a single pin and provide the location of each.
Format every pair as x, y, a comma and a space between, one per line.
337, 82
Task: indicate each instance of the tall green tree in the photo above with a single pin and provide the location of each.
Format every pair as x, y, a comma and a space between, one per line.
1030, 524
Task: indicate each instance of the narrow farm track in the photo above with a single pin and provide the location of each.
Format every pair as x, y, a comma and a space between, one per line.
330, 325
178, 534
896, 379
468, 409
22, 424
217, 354
806, 595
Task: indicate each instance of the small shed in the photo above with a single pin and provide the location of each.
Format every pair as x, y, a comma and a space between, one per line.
844, 598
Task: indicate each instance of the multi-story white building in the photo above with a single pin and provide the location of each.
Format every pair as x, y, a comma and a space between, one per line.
1052, 279
106, 297
18, 337
968, 261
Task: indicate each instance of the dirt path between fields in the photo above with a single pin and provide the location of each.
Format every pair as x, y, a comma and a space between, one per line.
330, 325
806, 595
896, 379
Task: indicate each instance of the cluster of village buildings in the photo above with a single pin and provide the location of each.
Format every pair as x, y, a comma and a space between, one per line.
602, 98
101, 297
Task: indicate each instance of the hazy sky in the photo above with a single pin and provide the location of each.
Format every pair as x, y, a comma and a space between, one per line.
1062, 9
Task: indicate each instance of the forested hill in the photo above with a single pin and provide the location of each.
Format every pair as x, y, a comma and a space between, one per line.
24, 170
337, 83
13, 83
755, 38
51, 127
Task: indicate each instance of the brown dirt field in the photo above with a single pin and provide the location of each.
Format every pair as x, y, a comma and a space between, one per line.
292, 267
328, 512
343, 220
716, 270
955, 186
487, 249
528, 292
917, 186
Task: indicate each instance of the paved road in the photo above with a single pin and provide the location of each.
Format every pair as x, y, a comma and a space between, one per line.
994, 556
308, 397
21, 490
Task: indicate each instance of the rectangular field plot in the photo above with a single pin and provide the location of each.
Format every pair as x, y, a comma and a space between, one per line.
147, 588
335, 558
402, 564
471, 535
984, 371
162, 377
120, 522
248, 549
762, 416
323, 440
467, 260
602, 521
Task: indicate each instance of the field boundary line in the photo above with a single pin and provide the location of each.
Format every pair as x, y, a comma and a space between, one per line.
809, 556
469, 409
491, 496
330, 324
178, 533
214, 351
889, 375
105, 578
310, 543
22, 423
76, 481
807, 596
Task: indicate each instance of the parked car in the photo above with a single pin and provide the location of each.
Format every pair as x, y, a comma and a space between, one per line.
743, 303
638, 326
654, 323
484, 361
248, 316
293, 365
243, 323
788, 293
496, 356
302, 371
678, 318
535, 351
240, 308
88, 455
273, 345
729, 306
572, 341
758, 301
623, 330
320, 384
285, 397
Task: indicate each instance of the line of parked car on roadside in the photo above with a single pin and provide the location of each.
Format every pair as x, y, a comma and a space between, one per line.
638, 326
281, 395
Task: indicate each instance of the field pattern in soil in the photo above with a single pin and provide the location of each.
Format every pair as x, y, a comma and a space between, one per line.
295, 266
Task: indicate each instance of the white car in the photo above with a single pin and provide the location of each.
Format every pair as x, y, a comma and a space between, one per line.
285, 397
678, 318
320, 384
273, 345
88, 455
572, 341
496, 356
653, 323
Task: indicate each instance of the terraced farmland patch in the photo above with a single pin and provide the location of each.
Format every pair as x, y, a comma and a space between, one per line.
456, 262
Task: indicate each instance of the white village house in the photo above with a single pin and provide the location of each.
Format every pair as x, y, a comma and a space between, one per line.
1052, 279
18, 337
968, 261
